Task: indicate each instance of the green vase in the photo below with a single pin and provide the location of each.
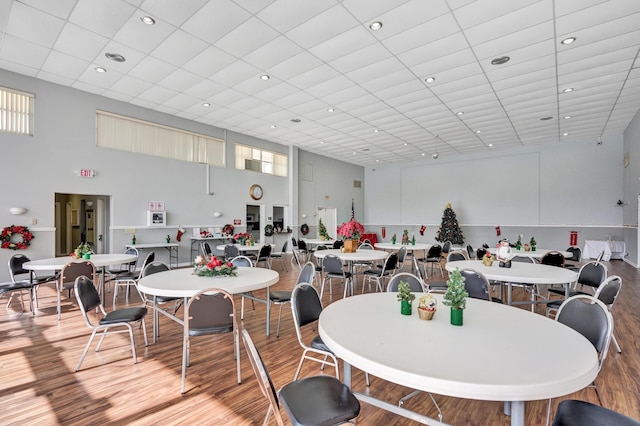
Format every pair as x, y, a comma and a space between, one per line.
87, 255
405, 307
456, 316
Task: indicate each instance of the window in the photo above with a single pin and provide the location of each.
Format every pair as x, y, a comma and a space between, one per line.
132, 135
16, 112
258, 160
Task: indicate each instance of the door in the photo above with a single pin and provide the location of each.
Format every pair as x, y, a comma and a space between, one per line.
329, 216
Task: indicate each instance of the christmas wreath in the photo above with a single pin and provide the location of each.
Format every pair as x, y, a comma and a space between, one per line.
268, 230
228, 229
10, 242
304, 229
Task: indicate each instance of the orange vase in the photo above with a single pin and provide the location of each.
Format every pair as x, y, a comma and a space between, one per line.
350, 246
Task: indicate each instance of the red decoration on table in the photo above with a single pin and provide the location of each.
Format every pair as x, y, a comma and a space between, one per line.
372, 237
384, 232
573, 238
497, 231
422, 229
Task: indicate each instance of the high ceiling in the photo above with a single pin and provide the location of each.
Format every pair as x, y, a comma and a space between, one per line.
323, 54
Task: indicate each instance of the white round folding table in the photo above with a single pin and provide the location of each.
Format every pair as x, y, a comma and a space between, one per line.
368, 332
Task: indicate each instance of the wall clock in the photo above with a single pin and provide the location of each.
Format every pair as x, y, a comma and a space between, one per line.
256, 192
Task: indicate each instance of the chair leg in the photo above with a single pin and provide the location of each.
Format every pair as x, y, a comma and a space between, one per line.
236, 344
279, 316
185, 362
615, 342
86, 349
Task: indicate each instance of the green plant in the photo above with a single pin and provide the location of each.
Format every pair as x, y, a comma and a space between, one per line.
81, 250
533, 242
322, 231
404, 292
456, 295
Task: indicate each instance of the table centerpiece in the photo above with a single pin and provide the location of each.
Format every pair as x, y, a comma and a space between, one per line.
427, 307
350, 233
213, 267
405, 297
82, 251
456, 296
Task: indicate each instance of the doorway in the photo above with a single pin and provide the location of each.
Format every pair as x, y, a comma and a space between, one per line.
254, 218
80, 218
329, 217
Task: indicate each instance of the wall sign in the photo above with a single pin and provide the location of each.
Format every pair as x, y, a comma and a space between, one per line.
88, 173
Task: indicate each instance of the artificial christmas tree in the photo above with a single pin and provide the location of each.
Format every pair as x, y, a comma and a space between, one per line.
449, 229
322, 231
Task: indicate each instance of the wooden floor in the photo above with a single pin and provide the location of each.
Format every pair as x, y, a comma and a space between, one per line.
38, 384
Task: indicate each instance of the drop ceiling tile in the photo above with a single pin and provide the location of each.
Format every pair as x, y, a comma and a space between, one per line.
272, 53
64, 65
178, 48
140, 36
60, 8
247, 37
284, 15
152, 70
79, 42
33, 25
157, 94
53, 78
205, 89
236, 73
435, 30
209, 61
312, 77
104, 18
294, 66
478, 12
215, 19
343, 44
23, 53
130, 85
333, 21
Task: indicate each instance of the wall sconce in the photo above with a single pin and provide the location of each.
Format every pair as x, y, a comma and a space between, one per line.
217, 214
89, 203
304, 215
18, 210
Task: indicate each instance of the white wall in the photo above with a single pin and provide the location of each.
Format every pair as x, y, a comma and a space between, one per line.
632, 188
546, 191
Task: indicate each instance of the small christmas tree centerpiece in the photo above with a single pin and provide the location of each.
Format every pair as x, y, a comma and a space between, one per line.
82, 251
393, 238
533, 243
405, 297
405, 237
456, 296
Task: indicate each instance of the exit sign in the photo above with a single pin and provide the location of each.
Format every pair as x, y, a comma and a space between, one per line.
88, 173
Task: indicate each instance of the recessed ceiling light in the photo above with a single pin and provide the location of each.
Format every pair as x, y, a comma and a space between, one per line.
115, 57
565, 134
321, 142
206, 104
405, 144
478, 131
435, 155
376, 131
568, 89
545, 118
566, 117
490, 145
100, 69
148, 20
273, 126
568, 40
459, 112
376, 25
264, 77
377, 161
295, 120
501, 60
423, 154
355, 153
430, 79
330, 109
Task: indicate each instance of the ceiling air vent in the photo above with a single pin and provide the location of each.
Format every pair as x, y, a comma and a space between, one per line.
357, 184
253, 165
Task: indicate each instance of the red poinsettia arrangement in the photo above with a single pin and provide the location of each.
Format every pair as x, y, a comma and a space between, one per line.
351, 230
213, 267
11, 242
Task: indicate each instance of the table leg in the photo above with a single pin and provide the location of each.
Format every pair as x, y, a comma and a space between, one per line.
346, 370
515, 409
155, 320
268, 301
509, 292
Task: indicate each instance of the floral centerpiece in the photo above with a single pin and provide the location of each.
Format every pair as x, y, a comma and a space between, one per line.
213, 267
242, 237
350, 233
456, 296
16, 237
488, 258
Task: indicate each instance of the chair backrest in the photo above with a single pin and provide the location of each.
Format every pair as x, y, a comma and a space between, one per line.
285, 246
15, 265
572, 412
231, 251
455, 255
553, 258
470, 252
206, 248
434, 251
338, 244
130, 266
390, 262
242, 262
86, 293
592, 274
305, 304
294, 242
150, 258
306, 273
72, 270
591, 318
321, 247
415, 283
365, 246
302, 245
262, 374
402, 254
476, 284
210, 311
446, 247
332, 264
523, 258
576, 254
295, 258
154, 268
481, 252
366, 241
609, 290
265, 251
